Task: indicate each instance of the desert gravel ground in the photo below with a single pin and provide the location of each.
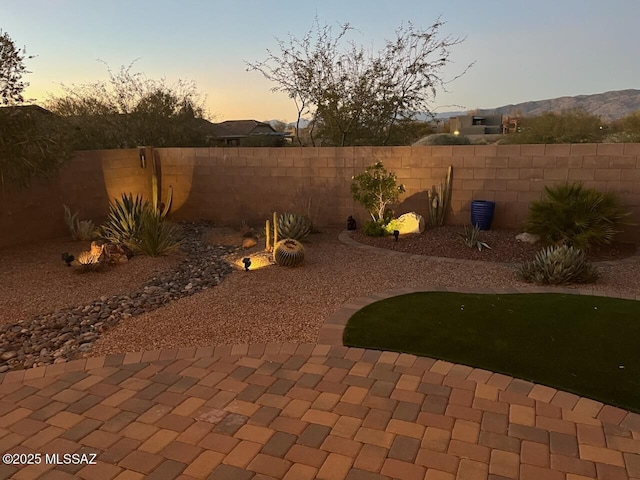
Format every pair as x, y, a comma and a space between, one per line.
271, 304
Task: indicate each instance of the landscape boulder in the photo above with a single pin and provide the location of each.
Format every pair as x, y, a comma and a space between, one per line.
528, 238
411, 222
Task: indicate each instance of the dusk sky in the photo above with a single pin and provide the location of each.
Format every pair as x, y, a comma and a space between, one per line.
523, 50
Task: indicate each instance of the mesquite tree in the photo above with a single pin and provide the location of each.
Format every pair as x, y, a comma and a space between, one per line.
130, 109
355, 96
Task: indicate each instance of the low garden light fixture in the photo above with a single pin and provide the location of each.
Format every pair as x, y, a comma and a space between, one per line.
247, 263
396, 233
143, 158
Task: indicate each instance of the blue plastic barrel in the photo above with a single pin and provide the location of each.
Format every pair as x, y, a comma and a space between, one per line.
482, 213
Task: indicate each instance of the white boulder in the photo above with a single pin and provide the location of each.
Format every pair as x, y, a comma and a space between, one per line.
411, 222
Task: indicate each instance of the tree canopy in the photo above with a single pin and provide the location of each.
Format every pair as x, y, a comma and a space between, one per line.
12, 68
130, 109
355, 96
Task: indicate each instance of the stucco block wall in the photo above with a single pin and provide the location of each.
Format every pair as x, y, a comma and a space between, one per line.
228, 185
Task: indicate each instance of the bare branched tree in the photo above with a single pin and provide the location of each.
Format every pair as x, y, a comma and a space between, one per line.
354, 96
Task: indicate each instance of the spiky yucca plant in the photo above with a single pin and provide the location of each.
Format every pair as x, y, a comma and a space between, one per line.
293, 226
123, 223
288, 252
574, 215
559, 265
156, 236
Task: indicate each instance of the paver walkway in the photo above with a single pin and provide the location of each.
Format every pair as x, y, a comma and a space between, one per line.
300, 412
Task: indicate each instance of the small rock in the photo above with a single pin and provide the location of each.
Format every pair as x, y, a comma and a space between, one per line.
249, 242
8, 355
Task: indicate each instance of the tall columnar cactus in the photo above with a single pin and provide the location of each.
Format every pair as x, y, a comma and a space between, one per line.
439, 200
267, 232
155, 193
275, 229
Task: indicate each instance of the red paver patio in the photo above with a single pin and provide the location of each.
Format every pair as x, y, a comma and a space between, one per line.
288, 411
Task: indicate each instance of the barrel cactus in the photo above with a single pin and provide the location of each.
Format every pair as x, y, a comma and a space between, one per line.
288, 252
293, 226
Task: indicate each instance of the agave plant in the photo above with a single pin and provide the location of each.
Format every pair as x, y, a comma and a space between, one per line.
156, 236
123, 224
559, 265
82, 230
293, 226
471, 238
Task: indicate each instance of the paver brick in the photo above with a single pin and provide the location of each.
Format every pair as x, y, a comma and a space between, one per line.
499, 442
601, 455
504, 463
438, 460
563, 463
371, 458
335, 467
402, 470
242, 454
533, 453
140, 461
181, 452
306, 455
478, 453
268, 465
346, 427
206, 462
374, 437
229, 472
254, 433
279, 444
299, 471
472, 470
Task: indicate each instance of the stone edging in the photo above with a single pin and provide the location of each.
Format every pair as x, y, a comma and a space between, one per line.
345, 237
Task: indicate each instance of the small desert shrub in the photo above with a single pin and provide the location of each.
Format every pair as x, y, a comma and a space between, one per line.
557, 266
375, 189
447, 139
156, 236
374, 229
573, 215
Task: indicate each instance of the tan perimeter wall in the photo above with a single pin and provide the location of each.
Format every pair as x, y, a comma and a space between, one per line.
228, 185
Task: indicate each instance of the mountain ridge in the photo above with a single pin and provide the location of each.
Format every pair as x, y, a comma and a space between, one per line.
610, 105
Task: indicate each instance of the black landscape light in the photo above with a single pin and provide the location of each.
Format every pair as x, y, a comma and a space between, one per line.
247, 263
396, 233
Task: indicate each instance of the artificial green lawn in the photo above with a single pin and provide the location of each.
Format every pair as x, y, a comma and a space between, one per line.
582, 344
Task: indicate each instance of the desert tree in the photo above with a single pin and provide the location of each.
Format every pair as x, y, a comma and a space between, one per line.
130, 109
12, 69
31, 144
353, 95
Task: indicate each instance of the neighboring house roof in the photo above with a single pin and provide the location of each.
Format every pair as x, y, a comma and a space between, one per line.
242, 128
33, 109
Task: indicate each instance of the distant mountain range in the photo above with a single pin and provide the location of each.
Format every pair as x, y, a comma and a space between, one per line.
608, 106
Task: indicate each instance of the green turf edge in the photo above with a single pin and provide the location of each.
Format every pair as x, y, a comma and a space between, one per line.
583, 328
